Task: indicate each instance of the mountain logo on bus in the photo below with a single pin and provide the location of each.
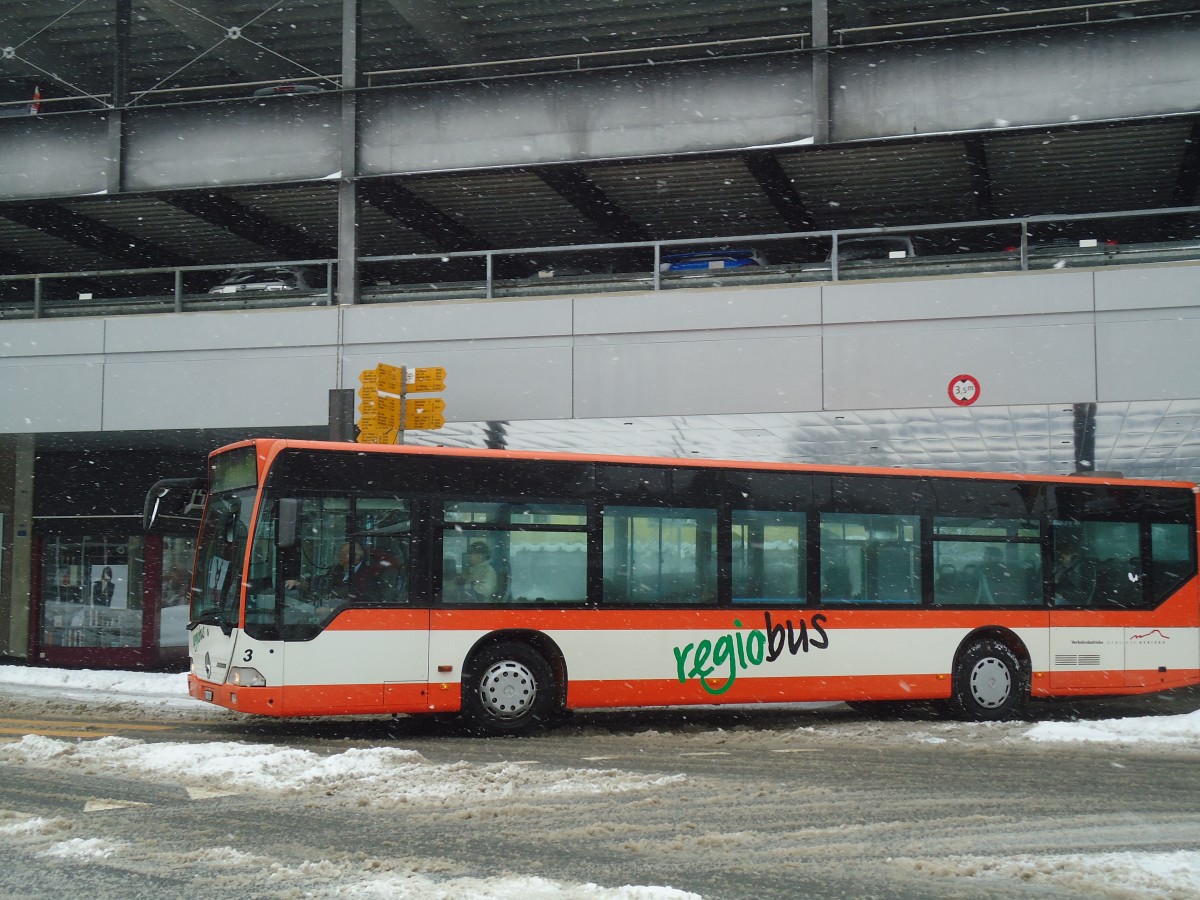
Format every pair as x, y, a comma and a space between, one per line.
1151, 633
715, 664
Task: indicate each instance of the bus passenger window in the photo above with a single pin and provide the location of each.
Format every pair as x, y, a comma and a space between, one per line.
1097, 565
870, 558
654, 556
769, 550
519, 553
987, 562
1172, 560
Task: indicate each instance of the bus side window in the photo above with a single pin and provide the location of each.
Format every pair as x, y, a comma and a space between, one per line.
1172, 560
514, 553
987, 562
656, 556
1092, 565
769, 550
868, 558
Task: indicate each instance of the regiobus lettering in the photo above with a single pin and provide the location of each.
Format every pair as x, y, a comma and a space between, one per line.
742, 650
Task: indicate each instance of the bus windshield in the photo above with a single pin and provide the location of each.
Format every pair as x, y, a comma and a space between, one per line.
219, 559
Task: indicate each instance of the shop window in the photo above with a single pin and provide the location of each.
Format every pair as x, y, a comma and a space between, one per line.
92, 592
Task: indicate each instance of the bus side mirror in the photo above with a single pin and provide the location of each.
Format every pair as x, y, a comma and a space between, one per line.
173, 502
285, 531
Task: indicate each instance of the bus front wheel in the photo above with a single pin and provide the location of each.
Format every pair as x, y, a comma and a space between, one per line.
989, 685
509, 689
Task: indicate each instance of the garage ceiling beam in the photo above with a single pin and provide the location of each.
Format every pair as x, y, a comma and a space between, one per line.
12, 264
446, 232
249, 225
1187, 182
981, 176
241, 56
92, 234
445, 33
778, 188
574, 186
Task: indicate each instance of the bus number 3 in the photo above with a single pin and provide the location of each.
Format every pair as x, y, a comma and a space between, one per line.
249, 656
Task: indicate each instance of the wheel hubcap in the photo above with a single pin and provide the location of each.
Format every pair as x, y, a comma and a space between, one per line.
507, 690
991, 683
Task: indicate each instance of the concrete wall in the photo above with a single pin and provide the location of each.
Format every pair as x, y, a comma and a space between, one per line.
1029, 338
1031, 78
1139, 68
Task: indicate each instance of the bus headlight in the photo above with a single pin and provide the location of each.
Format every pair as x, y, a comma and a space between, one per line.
246, 677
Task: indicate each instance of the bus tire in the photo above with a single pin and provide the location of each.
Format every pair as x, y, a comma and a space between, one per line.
508, 690
989, 683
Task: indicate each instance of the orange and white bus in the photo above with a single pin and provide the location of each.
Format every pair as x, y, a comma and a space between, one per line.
511, 587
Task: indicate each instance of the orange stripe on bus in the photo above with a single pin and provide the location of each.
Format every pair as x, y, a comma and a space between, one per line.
663, 692
323, 699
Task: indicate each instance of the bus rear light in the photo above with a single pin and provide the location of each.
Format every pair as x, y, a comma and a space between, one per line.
246, 677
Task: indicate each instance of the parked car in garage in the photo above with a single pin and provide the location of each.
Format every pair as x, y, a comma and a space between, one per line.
287, 90
276, 278
874, 247
703, 260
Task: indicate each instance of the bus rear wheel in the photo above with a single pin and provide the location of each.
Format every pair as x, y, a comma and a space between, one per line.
989, 683
508, 689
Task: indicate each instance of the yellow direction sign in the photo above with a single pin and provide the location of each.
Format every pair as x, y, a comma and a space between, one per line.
403, 380
424, 412
385, 411
419, 421
377, 435
389, 378
424, 380
386, 407
420, 405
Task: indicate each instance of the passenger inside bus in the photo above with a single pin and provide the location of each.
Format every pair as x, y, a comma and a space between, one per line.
478, 580
1074, 573
359, 576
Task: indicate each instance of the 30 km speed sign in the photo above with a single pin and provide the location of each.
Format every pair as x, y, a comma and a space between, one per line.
964, 389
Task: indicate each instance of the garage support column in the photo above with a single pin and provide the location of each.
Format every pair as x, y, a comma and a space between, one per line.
16, 543
120, 97
347, 280
820, 64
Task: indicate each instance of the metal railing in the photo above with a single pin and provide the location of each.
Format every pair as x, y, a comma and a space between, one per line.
957, 248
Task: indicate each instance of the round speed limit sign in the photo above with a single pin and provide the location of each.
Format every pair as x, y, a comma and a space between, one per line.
964, 389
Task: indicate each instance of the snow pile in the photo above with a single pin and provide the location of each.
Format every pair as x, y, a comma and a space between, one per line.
377, 776
1184, 729
91, 681
1143, 875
